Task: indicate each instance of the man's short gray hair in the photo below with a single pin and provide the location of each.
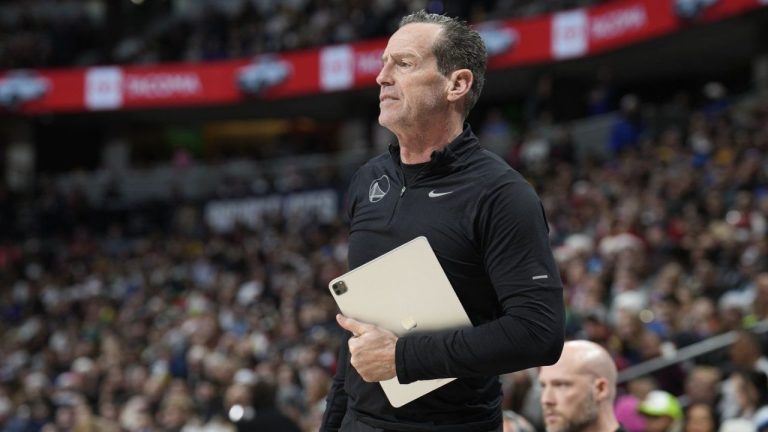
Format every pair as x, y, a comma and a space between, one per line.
458, 47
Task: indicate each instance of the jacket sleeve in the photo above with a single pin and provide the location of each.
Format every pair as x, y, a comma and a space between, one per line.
512, 234
336, 401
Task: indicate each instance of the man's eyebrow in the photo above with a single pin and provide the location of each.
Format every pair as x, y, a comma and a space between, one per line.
399, 55
557, 381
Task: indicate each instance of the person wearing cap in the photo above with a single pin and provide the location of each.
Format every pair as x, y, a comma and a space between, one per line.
578, 391
662, 411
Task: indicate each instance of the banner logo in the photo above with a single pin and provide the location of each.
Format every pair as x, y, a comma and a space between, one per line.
265, 72
19, 87
337, 68
104, 88
569, 34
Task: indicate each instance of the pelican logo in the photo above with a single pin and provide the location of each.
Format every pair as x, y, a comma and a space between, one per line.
378, 189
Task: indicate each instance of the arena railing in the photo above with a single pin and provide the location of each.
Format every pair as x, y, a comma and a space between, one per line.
687, 353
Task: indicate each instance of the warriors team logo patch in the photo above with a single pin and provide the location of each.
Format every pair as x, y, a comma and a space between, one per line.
378, 189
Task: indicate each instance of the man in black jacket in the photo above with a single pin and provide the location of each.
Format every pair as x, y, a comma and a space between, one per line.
488, 230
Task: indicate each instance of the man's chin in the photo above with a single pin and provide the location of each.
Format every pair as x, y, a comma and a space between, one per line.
554, 424
386, 121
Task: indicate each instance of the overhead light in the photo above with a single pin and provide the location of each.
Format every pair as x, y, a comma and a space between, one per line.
137, 2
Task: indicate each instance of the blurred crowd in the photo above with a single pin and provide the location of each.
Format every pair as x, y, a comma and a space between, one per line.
168, 326
169, 331
46, 33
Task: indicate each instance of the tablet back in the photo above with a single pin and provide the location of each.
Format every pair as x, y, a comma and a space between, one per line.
404, 290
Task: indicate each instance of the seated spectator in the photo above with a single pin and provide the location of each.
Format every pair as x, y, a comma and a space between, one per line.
626, 131
747, 390
747, 352
266, 417
496, 133
702, 386
626, 413
662, 412
700, 417
759, 307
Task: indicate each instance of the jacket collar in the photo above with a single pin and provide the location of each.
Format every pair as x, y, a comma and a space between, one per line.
456, 150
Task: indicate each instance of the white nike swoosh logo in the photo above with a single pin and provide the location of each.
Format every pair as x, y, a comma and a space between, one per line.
433, 194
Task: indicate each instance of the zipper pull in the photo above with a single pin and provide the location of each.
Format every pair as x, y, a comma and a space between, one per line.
402, 191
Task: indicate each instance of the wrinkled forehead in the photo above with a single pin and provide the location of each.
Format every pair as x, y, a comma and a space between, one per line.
415, 38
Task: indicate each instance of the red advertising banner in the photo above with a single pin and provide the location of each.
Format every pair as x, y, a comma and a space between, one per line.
516, 42
611, 28
563, 35
267, 77
39, 91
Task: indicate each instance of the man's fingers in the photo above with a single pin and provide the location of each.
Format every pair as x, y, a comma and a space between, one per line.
356, 327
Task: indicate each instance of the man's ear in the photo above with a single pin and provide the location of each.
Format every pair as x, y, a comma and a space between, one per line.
459, 82
601, 389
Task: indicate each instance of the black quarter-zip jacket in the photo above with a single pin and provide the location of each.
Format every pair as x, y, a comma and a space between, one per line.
489, 232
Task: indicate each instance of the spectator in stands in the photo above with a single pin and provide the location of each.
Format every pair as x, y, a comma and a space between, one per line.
627, 415
497, 134
749, 391
135, 416
759, 307
540, 104
700, 417
627, 411
715, 95
702, 385
601, 99
747, 352
534, 152
577, 393
562, 147
626, 132
257, 410
520, 404
662, 411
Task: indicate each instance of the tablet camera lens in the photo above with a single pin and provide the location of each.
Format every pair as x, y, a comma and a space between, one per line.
339, 287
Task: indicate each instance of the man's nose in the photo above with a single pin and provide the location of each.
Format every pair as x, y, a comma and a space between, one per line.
547, 397
384, 78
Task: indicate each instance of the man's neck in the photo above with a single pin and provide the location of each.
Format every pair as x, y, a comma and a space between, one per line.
606, 422
417, 146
